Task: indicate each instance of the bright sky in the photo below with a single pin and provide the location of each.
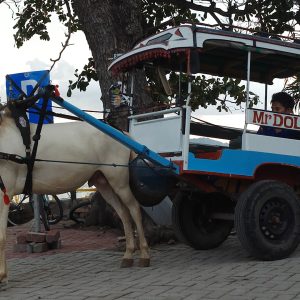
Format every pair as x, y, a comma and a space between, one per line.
35, 55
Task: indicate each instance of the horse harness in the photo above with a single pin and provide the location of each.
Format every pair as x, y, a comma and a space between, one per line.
18, 112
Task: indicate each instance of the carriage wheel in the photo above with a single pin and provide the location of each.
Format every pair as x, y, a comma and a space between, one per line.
19, 214
194, 222
54, 210
267, 220
43, 214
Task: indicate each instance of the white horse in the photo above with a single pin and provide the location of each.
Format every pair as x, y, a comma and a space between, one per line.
74, 141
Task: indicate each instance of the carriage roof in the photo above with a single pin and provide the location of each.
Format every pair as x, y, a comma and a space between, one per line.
219, 52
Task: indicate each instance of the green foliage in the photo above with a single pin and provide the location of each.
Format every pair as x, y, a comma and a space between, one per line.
220, 92
293, 88
35, 15
155, 14
83, 78
272, 16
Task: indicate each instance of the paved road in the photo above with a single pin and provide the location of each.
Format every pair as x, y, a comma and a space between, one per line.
177, 272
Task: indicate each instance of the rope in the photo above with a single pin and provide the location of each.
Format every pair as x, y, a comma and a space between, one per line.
86, 110
82, 163
22, 160
59, 115
97, 164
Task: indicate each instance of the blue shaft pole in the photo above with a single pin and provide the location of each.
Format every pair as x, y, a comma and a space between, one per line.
118, 136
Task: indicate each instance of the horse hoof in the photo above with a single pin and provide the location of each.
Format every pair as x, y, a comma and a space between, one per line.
127, 263
144, 262
3, 285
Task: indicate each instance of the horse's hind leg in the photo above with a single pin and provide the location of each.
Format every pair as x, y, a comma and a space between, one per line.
3, 225
129, 200
109, 195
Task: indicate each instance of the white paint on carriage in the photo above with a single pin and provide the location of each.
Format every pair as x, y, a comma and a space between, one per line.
162, 133
270, 144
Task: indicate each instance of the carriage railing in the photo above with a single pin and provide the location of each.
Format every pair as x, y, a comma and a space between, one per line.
159, 130
166, 132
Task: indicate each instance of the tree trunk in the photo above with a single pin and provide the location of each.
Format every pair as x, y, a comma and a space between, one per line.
110, 27
113, 27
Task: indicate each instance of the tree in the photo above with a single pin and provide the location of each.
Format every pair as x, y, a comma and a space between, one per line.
113, 27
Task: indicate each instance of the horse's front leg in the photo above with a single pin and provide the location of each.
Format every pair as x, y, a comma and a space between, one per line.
3, 226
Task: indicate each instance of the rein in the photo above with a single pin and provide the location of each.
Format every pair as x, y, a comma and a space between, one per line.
18, 113
31, 159
22, 160
54, 114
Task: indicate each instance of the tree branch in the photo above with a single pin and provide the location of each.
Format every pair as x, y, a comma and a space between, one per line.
197, 7
68, 36
210, 8
219, 22
8, 4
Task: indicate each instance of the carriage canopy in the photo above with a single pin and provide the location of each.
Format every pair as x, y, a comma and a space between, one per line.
196, 49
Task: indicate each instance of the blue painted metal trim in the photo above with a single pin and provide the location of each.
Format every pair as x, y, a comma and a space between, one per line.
117, 135
239, 162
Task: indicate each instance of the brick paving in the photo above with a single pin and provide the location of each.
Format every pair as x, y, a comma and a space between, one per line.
74, 238
176, 272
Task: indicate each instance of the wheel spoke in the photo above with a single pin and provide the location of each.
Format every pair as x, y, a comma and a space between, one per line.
275, 218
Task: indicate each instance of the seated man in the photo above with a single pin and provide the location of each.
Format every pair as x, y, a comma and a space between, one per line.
281, 103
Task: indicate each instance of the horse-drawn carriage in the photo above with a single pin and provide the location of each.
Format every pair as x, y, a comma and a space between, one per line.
252, 186
253, 183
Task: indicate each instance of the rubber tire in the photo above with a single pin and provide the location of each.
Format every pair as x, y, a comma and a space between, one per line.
19, 215
247, 220
186, 214
177, 218
58, 207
